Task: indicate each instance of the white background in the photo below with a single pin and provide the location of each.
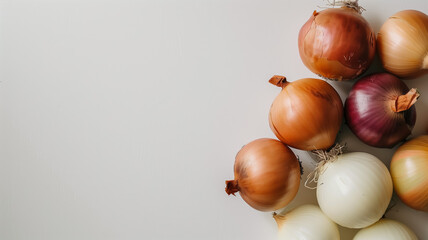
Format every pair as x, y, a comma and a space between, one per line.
121, 119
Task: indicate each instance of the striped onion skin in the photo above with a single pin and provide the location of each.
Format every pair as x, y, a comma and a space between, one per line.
386, 229
267, 174
369, 115
403, 44
337, 43
306, 222
354, 190
409, 168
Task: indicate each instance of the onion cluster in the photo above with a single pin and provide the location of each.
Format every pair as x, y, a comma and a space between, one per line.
353, 189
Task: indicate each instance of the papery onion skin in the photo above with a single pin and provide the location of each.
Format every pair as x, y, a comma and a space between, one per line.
354, 190
337, 43
409, 171
307, 114
306, 222
386, 229
403, 43
369, 115
267, 174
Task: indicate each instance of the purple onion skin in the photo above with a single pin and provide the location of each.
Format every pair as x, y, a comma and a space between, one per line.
369, 115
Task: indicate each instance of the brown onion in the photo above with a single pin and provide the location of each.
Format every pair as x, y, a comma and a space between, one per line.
307, 114
267, 174
337, 43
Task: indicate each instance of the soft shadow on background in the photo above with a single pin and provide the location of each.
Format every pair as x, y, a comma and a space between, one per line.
121, 119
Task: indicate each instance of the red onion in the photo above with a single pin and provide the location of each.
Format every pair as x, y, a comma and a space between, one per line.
379, 110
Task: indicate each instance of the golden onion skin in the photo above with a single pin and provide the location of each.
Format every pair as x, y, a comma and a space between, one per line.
403, 44
267, 174
307, 114
337, 44
409, 168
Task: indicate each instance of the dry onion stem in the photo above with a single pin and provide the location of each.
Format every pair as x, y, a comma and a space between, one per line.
404, 102
323, 157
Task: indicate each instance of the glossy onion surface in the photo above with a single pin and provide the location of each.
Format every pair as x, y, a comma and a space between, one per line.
306, 222
409, 171
267, 174
386, 229
403, 43
354, 190
337, 43
369, 115
306, 114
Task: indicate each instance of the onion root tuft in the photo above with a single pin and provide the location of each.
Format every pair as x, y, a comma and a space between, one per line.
324, 157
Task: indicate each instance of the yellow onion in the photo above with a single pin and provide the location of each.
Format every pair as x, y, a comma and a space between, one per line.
307, 113
267, 174
403, 43
409, 168
337, 43
306, 222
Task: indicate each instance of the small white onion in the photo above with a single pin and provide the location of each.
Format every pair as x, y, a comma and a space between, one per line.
386, 229
306, 222
354, 190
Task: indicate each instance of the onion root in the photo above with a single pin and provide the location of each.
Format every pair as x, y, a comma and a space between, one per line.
352, 4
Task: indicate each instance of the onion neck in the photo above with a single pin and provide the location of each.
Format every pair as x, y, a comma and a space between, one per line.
232, 187
404, 102
279, 81
279, 219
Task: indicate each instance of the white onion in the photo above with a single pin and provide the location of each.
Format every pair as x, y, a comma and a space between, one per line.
354, 190
386, 229
306, 222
